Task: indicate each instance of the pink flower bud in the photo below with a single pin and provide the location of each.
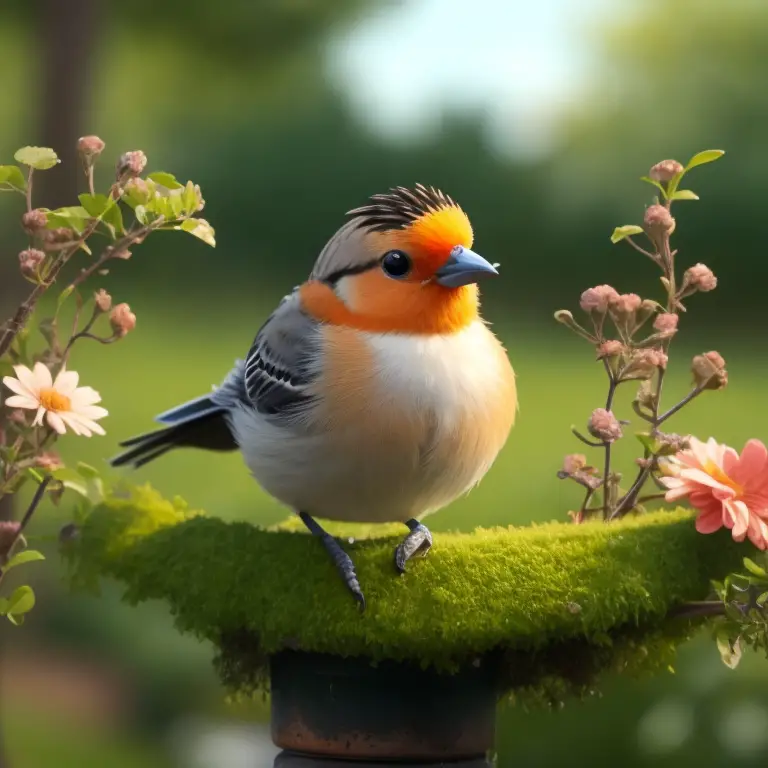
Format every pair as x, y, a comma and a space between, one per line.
103, 300
122, 319
574, 462
604, 425
700, 277
60, 235
709, 371
610, 348
131, 164
9, 535
666, 323
90, 147
645, 363
597, 299
32, 221
49, 461
665, 171
658, 221
139, 190
30, 261
625, 305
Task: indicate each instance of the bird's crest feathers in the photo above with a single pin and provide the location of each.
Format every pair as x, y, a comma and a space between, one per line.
431, 219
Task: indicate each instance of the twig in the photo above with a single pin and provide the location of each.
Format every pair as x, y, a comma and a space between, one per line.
675, 408
701, 608
639, 249
612, 384
586, 440
29, 189
16, 323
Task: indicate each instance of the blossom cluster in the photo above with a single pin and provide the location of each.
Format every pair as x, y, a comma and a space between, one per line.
41, 397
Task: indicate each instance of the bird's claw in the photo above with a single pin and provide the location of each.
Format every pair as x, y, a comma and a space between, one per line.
418, 541
346, 568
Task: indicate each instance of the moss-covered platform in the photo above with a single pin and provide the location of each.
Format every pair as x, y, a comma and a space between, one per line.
555, 603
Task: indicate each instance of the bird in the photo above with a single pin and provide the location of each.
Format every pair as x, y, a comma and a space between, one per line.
375, 392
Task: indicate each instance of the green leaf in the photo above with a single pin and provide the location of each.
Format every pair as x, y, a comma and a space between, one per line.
63, 296
104, 207
762, 599
730, 652
201, 229
176, 203
13, 177
754, 568
21, 601
707, 156
27, 556
167, 180
87, 471
73, 216
647, 441
140, 211
78, 488
39, 158
190, 198
684, 194
621, 232
95, 204
656, 184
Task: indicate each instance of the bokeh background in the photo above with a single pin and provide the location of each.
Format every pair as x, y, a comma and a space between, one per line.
539, 118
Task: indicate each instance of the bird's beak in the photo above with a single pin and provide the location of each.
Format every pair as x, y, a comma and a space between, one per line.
463, 267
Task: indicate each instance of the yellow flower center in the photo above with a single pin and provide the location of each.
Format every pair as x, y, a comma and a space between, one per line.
718, 474
52, 400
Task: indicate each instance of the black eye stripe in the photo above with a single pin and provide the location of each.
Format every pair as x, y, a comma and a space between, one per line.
334, 277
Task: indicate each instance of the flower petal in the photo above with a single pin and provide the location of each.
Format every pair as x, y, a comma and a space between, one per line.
709, 522
21, 401
42, 376
56, 422
26, 377
87, 425
72, 423
752, 463
91, 411
739, 513
66, 382
16, 386
84, 396
700, 477
38, 420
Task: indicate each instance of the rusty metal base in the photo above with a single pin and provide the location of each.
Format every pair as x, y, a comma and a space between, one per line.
348, 709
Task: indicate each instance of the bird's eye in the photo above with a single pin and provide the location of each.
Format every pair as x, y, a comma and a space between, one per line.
396, 264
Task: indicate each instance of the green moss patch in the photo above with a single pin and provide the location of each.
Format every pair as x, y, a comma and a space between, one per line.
556, 603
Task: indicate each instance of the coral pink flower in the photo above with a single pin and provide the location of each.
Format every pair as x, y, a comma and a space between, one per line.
728, 490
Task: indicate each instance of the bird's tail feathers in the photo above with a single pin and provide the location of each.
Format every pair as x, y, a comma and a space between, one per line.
196, 424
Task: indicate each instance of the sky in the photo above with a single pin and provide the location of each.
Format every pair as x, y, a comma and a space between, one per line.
519, 63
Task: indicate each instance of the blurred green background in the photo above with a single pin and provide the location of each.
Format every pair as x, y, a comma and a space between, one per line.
538, 118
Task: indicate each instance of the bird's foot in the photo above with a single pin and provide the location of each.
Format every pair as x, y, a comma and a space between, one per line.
341, 559
418, 541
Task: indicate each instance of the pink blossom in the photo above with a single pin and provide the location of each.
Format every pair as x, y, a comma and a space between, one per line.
728, 490
598, 298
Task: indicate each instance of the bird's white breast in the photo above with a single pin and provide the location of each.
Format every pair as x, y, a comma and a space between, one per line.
414, 426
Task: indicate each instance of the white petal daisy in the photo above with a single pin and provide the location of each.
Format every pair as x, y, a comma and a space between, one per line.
61, 402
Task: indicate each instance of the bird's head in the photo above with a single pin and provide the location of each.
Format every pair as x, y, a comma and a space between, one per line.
402, 263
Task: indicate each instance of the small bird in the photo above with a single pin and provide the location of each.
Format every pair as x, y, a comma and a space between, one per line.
375, 392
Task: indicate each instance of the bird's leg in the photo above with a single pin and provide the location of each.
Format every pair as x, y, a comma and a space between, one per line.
418, 540
342, 560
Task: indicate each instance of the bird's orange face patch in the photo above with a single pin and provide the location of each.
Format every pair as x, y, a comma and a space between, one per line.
430, 239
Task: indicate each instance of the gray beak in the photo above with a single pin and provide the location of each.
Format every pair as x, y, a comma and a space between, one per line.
463, 267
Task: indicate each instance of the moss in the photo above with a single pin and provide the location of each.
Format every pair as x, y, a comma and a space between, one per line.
558, 603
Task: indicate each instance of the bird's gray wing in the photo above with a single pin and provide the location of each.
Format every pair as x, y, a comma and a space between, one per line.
283, 360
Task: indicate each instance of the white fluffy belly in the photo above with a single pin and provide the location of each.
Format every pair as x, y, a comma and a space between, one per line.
428, 430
